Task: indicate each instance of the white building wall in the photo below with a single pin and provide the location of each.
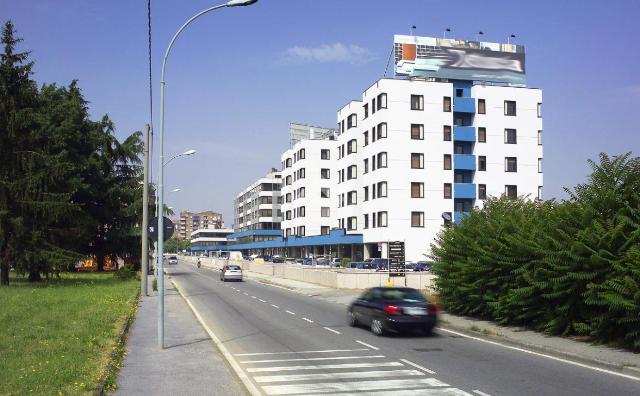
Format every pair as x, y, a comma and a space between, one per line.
247, 204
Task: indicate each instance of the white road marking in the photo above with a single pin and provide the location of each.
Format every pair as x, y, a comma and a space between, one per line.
275, 306
308, 320
254, 297
290, 313
367, 345
332, 330
309, 359
412, 392
350, 374
480, 393
286, 352
261, 300
245, 293
322, 367
417, 366
350, 386
542, 355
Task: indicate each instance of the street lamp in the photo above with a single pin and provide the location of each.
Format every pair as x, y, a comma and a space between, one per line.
188, 152
160, 264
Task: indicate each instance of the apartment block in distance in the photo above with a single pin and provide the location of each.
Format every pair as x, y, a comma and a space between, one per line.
191, 221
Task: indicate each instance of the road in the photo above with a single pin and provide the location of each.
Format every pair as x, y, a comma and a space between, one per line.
289, 343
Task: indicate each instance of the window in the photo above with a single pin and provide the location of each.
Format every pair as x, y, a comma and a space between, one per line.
417, 190
341, 125
352, 121
301, 192
373, 105
482, 163
539, 165
509, 108
540, 193
287, 181
374, 219
511, 191
366, 166
288, 162
447, 190
482, 191
539, 138
382, 101
382, 160
324, 154
446, 130
417, 161
373, 134
301, 154
382, 219
417, 219
447, 161
446, 104
382, 130
295, 157
417, 102
366, 220
352, 172
324, 211
324, 230
373, 191
341, 203
352, 198
482, 135
366, 110
288, 214
417, 131
373, 162
301, 211
325, 173
352, 223
366, 138
539, 108
352, 146
382, 190
482, 107
510, 164
510, 136
301, 173
325, 192
301, 231
366, 193
459, 92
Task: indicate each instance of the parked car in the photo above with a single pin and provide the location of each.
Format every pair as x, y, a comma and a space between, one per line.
231, 272
308, 261
409, 266
299, 261
393, 309
423, 266
336, 262
173, 260
278, 259
323, 262
380, 264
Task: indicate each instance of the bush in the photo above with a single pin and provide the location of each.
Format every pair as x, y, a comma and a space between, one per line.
345, 261
569, 268
126, 272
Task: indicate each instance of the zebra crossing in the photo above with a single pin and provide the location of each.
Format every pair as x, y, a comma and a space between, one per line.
343, 372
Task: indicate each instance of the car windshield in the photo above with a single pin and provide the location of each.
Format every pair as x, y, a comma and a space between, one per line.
408, 295
234, 267
173, 258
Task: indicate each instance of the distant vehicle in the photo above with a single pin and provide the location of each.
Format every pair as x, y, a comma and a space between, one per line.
299, 261
173, 260
308, 261
336, 262
361, 265
380, 264
278, 259
409, 266
231, 272
323, 262
393, 309
423, 266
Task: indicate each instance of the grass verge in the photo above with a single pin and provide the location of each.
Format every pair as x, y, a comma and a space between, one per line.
59, 337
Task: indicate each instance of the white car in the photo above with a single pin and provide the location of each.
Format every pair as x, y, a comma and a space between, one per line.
231, 272
173, 260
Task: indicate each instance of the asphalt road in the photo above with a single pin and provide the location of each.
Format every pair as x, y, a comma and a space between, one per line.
289, 343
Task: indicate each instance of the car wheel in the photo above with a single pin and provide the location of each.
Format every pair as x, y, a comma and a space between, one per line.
376, 327
351, 317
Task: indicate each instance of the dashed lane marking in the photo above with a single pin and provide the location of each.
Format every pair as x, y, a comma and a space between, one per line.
287, 352
323, 367
312, 359
342, 375
332, 330
417, 366
261, 300
290, 313
477, 392
307, 320
275, 306
367, 345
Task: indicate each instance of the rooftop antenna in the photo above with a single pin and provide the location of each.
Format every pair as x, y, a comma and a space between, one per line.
511, 36
445, 32
411, 30
480, 33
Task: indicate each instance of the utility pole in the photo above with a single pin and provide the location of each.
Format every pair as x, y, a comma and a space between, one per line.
145, 214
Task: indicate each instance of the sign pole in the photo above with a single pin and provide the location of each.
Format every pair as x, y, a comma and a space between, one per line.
145, 215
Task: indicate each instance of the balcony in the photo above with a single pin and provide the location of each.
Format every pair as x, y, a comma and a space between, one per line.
464, 191
464, 105
464, 162
464, 133
457, 216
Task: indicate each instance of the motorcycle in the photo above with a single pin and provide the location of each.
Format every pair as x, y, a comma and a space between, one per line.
199, 263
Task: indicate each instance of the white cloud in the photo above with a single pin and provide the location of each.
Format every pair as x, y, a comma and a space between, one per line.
337, 52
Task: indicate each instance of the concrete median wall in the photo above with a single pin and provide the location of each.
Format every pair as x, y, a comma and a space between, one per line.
338, 278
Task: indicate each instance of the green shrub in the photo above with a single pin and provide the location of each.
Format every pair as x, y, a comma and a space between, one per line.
345, 261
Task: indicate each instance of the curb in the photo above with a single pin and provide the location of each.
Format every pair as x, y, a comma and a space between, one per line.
251, 388
124, 332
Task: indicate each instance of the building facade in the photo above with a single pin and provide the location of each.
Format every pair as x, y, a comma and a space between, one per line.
258, 207
190, 221
208, 240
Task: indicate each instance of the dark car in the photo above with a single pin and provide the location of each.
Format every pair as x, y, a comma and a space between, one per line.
393, 309
278, 259
423, 266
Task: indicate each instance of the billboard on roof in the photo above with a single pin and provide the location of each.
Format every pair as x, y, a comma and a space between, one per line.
458, 59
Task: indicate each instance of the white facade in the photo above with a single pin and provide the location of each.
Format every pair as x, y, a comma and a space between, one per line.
378, 159
308, 187
211, 237
258, 207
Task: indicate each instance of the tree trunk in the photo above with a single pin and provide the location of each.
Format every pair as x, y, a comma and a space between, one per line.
100, 262
4, 274
34, 276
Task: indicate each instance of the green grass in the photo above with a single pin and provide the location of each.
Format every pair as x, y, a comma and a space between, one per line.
57, 337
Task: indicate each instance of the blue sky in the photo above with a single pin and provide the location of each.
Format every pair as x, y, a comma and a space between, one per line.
237, 77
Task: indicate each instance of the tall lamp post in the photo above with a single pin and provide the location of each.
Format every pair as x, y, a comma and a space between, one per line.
160, 264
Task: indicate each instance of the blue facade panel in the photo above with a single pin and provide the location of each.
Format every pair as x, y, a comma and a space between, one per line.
464, 191
464, 162
464, 105
464, 133
255, 232
457, 216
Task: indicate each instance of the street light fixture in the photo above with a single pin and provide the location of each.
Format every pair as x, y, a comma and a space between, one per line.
186, 153
160, 264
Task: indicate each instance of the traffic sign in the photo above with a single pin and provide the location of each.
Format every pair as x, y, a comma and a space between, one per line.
396, 259
168, 228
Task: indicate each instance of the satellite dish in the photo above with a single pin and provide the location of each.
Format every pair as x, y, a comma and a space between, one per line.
446, 216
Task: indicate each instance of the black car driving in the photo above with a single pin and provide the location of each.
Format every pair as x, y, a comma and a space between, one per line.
393, 309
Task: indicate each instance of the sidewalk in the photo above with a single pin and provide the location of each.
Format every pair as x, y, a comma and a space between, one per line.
600, 355
190, 364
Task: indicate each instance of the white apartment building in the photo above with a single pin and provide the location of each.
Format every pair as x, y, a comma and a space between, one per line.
258, 207
415, 154
308, 184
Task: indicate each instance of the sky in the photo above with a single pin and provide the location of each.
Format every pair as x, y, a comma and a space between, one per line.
237, 77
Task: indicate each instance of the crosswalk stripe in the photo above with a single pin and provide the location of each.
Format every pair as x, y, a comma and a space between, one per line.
343, 375
310, 359
412, 392
287, 352
325, 387
323, 366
